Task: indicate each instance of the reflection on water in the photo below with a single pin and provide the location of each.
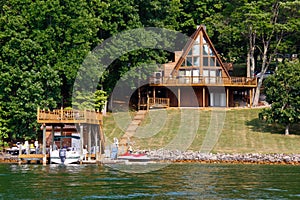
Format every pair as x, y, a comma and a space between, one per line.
176, 181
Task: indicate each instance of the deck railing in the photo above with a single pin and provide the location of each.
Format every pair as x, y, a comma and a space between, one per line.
200, 80
68, 116
159, 102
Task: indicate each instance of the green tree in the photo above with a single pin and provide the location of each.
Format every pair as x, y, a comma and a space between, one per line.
43, 43
92, 101
283, 93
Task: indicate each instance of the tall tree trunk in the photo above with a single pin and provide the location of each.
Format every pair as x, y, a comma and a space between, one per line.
264, 68
252, 55
287, 127
248, 65
252, 37
266, 44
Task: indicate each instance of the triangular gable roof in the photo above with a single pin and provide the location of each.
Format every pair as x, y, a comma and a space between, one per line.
189, 45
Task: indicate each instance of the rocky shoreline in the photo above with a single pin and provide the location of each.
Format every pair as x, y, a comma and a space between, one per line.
176, 156
249, 158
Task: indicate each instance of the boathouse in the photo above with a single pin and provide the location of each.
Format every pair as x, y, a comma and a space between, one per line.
87, 124
196, 78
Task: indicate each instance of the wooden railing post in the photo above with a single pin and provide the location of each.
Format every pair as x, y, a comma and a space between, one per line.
61, 113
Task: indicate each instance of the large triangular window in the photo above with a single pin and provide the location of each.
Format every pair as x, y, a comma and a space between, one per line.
200, 55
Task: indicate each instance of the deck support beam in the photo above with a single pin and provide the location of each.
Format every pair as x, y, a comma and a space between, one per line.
96, 143
203, 97
44, 145
61, 134
81, 143
89, 142
250, 97
52, 136
179, 96
227, 97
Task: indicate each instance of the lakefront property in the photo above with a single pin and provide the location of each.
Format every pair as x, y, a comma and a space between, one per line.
197, 78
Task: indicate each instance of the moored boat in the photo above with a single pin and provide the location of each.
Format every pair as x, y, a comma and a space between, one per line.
134, 157
65, 155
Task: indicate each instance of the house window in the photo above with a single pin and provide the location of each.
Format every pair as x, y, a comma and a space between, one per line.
217, 99
196, 76
196, 50
205, 50
212, 62
197, 61
189, 61
205, 61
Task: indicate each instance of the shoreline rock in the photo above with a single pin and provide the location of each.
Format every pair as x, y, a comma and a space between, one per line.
199, 157
176, 156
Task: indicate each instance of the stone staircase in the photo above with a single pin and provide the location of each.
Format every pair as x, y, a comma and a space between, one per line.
132, 127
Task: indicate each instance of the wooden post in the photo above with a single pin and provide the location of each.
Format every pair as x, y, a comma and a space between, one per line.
154, 95
61, 113
148, 106
20, 153
178, 92
139, 97
52, 135
203, 96
96, 143
89, 141
52, 142
227, 97
44, 145
81, 143
61, 134
253, 92
250, 97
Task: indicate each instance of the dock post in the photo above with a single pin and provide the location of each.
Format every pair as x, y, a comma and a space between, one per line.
44, 145
81, 143
89, 142
96, 143
20, 153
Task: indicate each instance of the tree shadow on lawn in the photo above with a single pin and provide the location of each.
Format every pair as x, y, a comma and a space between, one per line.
259, 125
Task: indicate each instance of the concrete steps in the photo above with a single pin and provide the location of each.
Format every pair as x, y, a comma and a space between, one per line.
132, 127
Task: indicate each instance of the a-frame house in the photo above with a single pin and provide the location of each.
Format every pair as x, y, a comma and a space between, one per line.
197, 78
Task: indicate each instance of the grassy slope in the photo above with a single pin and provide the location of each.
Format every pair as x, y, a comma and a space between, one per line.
242, 132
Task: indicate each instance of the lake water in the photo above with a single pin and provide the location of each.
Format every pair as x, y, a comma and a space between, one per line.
175, 181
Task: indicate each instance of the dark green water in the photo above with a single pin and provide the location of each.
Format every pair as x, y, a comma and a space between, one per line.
176, 181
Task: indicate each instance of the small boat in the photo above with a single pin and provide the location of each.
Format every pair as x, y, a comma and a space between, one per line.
134, 157
65, 155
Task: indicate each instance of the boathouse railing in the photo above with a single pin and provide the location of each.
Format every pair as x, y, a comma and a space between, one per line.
68, 116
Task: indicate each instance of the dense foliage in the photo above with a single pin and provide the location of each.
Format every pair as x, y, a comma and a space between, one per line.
283, 93
43, 44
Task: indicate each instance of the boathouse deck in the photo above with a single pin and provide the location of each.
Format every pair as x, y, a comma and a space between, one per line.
68, 116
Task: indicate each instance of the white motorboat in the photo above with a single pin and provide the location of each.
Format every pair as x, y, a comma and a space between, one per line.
65, 155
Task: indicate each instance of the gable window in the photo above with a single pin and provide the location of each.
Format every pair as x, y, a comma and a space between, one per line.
202, 58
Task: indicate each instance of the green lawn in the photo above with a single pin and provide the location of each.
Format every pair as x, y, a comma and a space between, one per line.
230, 131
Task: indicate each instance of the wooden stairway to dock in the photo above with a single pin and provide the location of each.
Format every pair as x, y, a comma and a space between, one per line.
132, 127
